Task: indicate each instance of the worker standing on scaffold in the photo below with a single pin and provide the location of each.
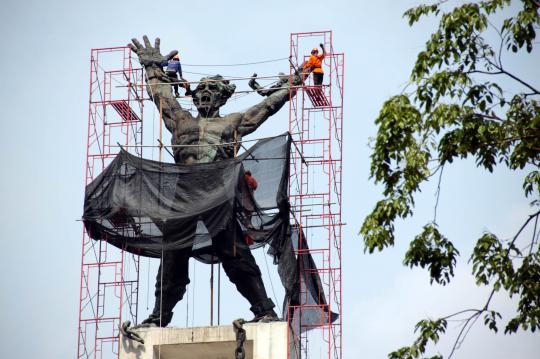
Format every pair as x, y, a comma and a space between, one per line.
252, 185
314, 64
174, 73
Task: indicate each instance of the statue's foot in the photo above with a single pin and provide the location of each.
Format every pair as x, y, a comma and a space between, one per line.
145, 325
156, 320
266, 318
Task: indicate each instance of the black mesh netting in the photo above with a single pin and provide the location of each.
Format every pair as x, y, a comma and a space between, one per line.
135, 203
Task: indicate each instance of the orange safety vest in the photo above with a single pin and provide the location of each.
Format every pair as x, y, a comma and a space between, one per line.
315, 63
251, 182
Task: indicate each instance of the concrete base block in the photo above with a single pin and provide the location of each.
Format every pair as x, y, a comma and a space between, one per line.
263, 341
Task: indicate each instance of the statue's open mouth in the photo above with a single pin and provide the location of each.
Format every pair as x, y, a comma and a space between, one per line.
206, 98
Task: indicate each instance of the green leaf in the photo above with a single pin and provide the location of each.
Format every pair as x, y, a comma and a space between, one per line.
432, 250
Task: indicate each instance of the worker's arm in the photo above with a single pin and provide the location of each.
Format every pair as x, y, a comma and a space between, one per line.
307, 66
158, 88
256, 115
323, 55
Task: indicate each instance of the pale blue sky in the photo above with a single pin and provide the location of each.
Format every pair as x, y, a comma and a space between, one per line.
43, 118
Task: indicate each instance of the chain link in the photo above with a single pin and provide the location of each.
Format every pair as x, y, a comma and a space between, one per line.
240, 352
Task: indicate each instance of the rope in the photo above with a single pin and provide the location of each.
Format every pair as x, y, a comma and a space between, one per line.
161, 303
235, 96
209, 144
187, 302
161, 260
219, 80
193, 294
186, 102
239, 64
228, 65
153, 158
205, 74
247, 91
271, 282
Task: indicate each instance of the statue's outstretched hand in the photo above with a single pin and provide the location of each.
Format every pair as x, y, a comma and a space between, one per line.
148, 55
253, 83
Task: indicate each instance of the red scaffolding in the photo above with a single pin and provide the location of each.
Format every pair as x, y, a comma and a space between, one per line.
316, 124
109, 284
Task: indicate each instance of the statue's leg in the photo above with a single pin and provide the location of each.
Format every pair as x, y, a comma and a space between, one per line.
171, 281
173, 77
242, 270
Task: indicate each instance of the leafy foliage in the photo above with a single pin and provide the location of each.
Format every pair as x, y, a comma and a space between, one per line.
431, 249
458, 108
429, 331
526, 285
492, 263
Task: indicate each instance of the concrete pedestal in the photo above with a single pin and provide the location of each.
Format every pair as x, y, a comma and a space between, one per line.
263, 341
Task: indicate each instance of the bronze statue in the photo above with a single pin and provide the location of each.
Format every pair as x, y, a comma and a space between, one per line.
203, 136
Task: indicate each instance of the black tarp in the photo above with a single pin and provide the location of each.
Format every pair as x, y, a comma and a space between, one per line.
134, 203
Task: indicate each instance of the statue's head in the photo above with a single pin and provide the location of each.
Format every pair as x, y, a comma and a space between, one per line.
211, 93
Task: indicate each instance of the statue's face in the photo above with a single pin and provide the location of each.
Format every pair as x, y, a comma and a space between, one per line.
210, 94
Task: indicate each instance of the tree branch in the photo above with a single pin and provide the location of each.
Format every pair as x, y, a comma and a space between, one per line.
457, 343
533, 236
477, 312
437, 195
503, 71
491, 117
484, 72
460, 312
521, 81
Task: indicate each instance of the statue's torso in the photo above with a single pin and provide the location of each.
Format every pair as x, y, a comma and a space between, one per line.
200, 137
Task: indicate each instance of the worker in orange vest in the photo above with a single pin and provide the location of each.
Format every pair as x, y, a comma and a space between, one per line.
314, 64
251, 181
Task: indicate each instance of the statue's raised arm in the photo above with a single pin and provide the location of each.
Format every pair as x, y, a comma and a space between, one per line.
158, 87
276, 97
